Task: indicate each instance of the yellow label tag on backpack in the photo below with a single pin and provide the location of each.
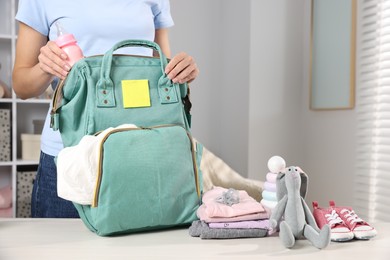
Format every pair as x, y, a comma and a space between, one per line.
135, 93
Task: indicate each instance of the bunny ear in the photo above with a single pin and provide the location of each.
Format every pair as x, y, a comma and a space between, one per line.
304, 182
281, 189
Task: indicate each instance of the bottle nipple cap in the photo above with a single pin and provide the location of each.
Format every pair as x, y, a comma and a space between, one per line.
60, 29
63, 38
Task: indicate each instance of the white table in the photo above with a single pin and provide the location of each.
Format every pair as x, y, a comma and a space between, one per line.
57, 239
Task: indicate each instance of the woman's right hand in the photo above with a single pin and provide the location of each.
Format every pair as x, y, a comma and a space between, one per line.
52, 60
37, 62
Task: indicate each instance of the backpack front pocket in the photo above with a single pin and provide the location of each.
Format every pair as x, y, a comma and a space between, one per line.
147, 178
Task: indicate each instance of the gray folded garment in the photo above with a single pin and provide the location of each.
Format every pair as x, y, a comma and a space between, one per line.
201, 229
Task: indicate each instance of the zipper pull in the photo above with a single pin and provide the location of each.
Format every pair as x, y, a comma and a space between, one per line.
145, 128
54, 121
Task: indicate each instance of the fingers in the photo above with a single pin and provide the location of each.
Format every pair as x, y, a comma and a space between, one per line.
182, 68
52, 60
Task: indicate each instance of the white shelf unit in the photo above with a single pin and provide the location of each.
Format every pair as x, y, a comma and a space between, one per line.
23, 112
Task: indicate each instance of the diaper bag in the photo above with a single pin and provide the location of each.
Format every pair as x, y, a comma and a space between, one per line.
147, 177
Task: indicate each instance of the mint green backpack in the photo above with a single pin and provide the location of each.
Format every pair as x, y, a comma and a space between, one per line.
149, 177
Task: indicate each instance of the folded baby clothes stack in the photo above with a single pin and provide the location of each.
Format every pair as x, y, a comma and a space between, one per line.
228, 213
204, 231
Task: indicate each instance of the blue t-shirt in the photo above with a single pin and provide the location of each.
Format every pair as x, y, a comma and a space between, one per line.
97, 25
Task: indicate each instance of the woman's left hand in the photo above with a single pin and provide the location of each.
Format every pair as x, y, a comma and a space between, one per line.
182, 68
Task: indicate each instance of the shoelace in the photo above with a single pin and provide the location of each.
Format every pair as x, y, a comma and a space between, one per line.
333, 218
351, 216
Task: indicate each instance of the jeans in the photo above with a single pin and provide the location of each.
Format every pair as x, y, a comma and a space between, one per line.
44, 200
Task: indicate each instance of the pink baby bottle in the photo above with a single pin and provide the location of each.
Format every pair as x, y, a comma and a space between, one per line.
68, 43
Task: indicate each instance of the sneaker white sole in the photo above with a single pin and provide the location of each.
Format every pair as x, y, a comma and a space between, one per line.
341, 234
365, 235
341, 237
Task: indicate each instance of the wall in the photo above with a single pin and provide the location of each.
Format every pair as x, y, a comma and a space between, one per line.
329, 146
251, 98
218, 37
275, 84
198, 37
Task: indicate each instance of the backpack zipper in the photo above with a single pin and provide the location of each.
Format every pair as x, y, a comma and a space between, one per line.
57, 97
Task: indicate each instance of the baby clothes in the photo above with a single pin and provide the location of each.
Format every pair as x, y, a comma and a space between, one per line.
213, 211
221, 219
263, 223
202, 230
202, 215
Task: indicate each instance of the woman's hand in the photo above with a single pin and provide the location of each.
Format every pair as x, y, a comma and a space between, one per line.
182, 68
52, 60
37, 62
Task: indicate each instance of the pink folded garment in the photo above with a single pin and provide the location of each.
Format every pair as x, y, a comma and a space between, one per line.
265, 224
247, 205
255, 216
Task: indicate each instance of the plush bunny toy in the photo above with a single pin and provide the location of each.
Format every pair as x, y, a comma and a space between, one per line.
298, 221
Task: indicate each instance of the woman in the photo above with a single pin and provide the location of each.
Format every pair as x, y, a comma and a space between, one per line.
97, 26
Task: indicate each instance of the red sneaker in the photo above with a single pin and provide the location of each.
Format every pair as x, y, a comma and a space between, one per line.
339, 230
360, 228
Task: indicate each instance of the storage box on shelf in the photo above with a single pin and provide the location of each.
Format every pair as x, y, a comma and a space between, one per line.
24, 117
5, 135
30, 146
25, 180
29, 123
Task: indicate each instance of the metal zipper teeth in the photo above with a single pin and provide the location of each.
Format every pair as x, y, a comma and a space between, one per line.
99, 173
